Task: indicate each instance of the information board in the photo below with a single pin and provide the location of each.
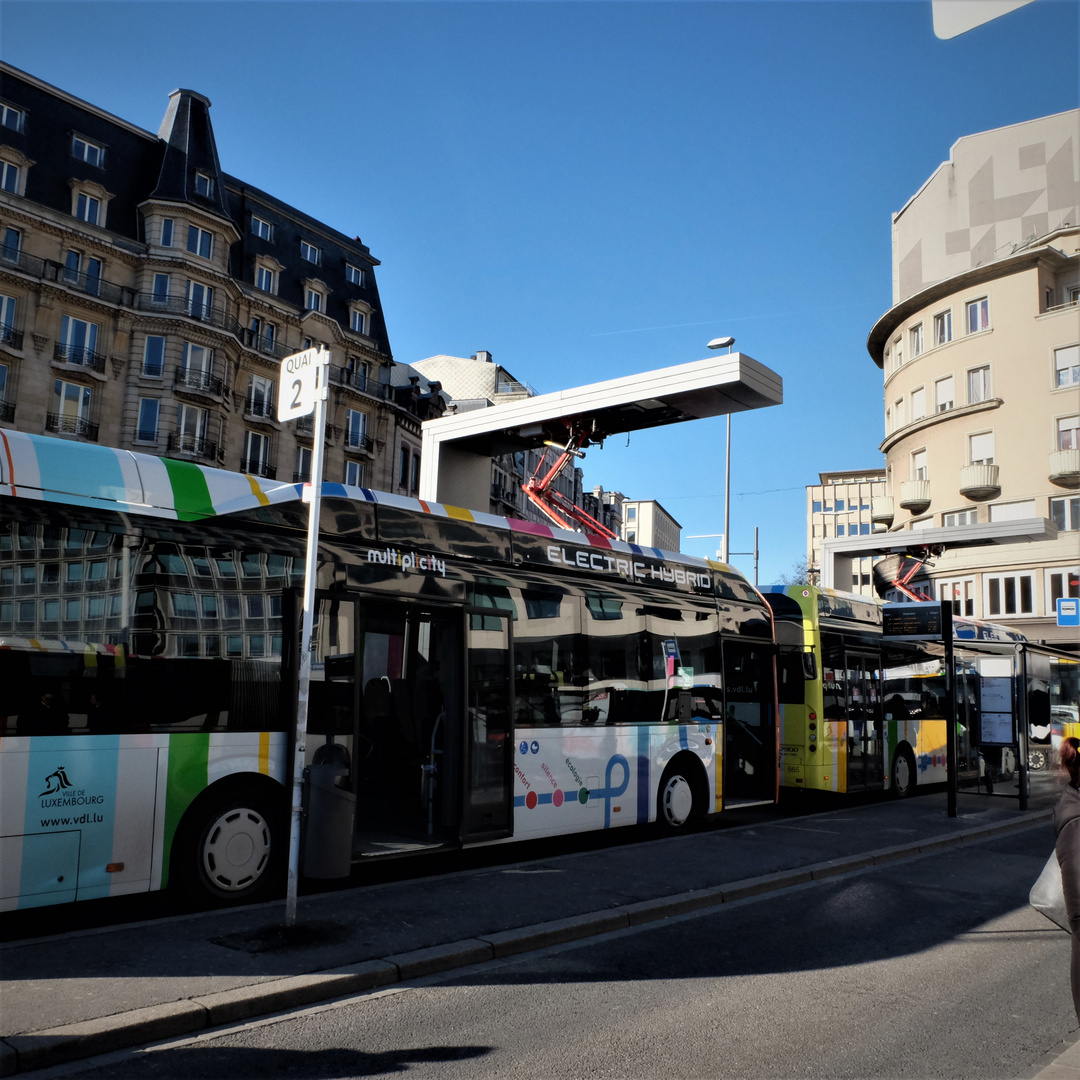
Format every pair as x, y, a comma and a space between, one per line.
916, 621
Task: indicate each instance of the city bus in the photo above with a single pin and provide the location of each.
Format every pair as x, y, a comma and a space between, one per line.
860, 713
473, 679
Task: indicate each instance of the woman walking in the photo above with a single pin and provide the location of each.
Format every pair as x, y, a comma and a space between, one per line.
1067, 827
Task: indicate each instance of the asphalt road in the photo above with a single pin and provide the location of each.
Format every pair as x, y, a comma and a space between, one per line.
932, 967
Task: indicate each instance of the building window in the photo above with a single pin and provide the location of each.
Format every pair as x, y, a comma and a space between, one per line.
1068, 433
355, 428
1061, 584
83, 271
898, 412
12, 118
161, 289
978, 380
354, 274
3, 382
12, 244
918, 405
260, 396
313, 300
358, 320
1065, 513
87, 151
403, 467
7, 320
262, 229
264, 279
87, 208
256, 453
149, 412
1067, 366
1009, 594
200, 242
354, 473
944, 394
960, 517
1013, 511
197, 358
960, 594
168, 226
78, 340
263, 335
414, 484
204, 185
192, 425
981, 448
9, 177
154, 357
200, 300
915, 339
943, 327
71, 406
918, 465
310, 253
978, 315
1048, 297
302, 473
898, 351
631, 511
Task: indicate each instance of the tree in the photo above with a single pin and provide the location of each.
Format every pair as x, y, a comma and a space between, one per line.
797, 575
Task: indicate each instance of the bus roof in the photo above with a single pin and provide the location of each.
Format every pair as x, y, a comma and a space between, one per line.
58, 471
810, 601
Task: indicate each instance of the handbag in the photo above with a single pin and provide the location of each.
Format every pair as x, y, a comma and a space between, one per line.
1047, 894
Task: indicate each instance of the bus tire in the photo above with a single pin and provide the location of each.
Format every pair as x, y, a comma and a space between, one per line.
903, 776
232, 845
680, 800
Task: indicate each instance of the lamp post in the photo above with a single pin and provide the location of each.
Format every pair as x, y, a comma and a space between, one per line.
721, 343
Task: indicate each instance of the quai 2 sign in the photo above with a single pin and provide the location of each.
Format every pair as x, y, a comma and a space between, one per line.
299, 382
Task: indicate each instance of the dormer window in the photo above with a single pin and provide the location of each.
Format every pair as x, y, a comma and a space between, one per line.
204, 185
353, 274
87, 208
262, 229
313, 299
9, 177
12, 118
310, 253
359, 321
90, 152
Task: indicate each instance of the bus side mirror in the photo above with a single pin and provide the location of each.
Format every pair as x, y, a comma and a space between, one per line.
809, 666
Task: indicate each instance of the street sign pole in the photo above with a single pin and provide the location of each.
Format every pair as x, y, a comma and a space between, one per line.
313, 497
952, 756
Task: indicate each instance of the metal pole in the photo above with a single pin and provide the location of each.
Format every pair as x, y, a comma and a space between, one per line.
1020, 668
755, 555
312, 496
725, 545
952, 757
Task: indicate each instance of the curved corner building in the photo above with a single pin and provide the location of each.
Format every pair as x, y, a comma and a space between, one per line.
980, 354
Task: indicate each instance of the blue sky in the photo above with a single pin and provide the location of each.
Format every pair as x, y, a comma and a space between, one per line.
589, 190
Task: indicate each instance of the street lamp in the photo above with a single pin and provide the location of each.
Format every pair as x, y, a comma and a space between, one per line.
725, 343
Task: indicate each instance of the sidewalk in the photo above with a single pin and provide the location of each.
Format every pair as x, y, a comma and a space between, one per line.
70, 997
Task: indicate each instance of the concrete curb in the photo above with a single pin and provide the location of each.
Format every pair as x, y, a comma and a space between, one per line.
55, 1046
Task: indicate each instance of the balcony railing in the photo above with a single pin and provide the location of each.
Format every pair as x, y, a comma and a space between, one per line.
265, 344
80, 355
7, 411
71, 425
358, 380
192, 309
259, 407
364, 443
91, 284
881, 510
301, 477
181, 442
978, 482
259, 468
1065, 468
10, 336
199, 382
915, 495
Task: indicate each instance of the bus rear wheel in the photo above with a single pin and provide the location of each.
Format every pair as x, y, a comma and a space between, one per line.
903, 773
231, 848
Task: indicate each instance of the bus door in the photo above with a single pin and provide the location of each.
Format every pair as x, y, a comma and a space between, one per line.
865, 744
385, 702
489, 784
750, 747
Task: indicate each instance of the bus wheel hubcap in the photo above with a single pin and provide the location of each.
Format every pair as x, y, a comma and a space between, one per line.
237, 849
678, 800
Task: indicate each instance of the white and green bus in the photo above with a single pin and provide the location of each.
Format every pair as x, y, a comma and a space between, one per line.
474, 679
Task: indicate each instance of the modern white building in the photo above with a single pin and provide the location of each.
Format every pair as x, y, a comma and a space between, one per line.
840, 504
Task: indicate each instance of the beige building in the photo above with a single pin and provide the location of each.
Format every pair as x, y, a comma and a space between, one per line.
647, 523
980, 354
147, 298
840, 505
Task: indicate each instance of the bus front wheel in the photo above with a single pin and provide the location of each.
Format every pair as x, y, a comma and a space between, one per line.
231, 847
903, 773
678, 802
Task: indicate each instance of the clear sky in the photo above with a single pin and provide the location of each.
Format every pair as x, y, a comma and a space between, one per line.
589, 190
